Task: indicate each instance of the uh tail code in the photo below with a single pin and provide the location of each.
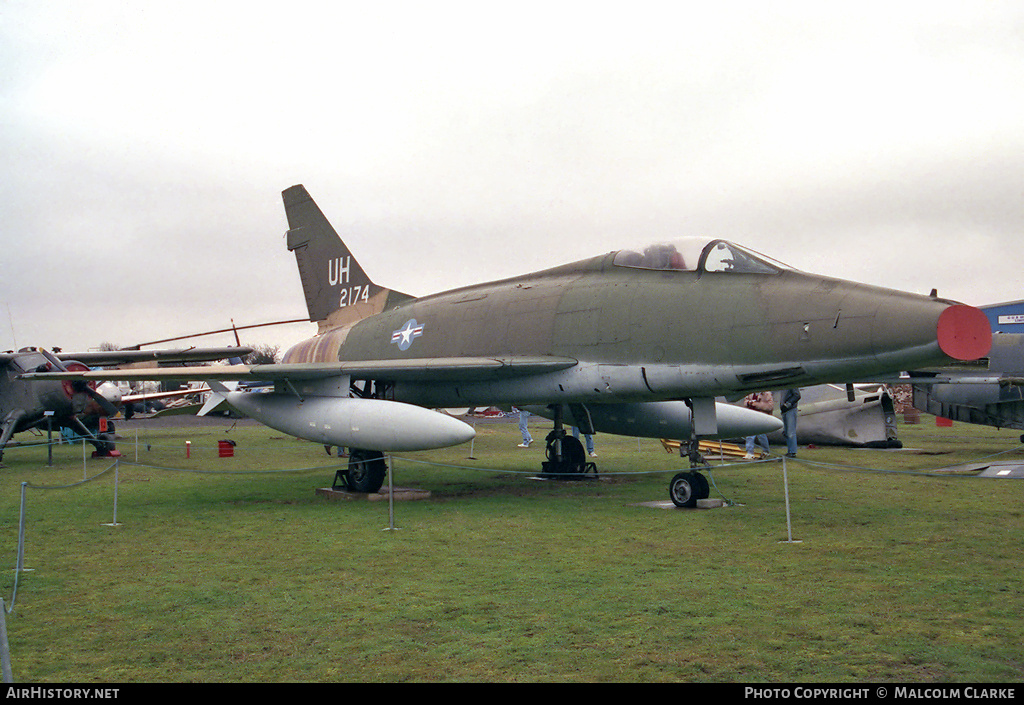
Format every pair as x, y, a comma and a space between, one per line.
338, 270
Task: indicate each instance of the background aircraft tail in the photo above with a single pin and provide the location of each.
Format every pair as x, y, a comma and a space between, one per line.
337, 289
218, 396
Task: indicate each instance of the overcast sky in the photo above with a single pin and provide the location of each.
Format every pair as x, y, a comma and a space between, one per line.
144, 146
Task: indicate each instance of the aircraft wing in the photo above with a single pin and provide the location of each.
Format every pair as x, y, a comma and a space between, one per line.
118, 357
421, 369
991, 379
941, 378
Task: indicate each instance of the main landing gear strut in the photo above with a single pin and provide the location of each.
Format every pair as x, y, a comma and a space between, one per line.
566, 458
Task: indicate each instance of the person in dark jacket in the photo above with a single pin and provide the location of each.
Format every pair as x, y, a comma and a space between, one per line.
790, 399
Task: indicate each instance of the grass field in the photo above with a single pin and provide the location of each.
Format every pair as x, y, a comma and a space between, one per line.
233, 572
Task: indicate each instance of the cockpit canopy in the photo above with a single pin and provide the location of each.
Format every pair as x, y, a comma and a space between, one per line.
694, 254
31, 362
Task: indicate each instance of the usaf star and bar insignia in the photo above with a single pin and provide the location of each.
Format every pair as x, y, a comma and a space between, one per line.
407, 333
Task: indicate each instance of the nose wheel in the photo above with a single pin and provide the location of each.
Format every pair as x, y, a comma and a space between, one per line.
688, 487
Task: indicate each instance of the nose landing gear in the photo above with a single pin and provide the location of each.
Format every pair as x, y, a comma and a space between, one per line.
686, 488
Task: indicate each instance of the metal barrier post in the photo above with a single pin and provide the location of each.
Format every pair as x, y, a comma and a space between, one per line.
49, 438
21, 532
5, 648
391, 495
789, 524
117, 470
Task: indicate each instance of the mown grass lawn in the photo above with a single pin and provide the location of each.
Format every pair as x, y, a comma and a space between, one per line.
224, 569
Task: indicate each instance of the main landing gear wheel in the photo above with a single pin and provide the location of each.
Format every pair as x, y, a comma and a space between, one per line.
566, 458
573, 461
366, 471
688, 487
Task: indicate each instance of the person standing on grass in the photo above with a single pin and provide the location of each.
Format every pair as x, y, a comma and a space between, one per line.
790, 399
763, 402
527, 438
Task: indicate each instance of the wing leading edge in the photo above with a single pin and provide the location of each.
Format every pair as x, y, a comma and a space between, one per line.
422, 369
123, 357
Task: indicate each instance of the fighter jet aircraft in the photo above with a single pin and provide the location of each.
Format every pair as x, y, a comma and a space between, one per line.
78, 405
636, 342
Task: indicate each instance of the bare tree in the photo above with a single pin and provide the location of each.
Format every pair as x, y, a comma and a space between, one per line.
263, 354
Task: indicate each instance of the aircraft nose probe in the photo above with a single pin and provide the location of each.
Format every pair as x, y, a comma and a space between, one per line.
964, 332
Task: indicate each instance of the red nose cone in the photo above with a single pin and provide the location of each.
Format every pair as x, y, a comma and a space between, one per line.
964, 333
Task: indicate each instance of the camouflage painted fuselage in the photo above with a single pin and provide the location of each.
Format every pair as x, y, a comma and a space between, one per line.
643, 334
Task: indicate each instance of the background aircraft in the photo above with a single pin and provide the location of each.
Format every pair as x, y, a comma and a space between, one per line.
637, 342
74, 404
827, 416
990, 393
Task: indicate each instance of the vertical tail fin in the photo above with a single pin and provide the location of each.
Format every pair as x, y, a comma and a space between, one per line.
337, 289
